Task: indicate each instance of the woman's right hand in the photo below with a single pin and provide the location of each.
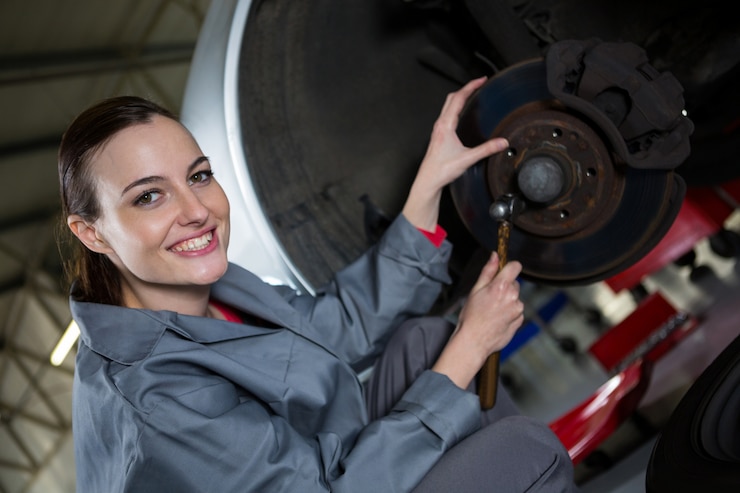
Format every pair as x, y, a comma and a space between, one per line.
491, 315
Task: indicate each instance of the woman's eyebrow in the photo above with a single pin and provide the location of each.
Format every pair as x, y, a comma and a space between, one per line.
195, 163
151, 179
141, 181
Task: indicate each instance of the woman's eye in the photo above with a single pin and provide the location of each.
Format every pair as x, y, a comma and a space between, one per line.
201, 176
147, 198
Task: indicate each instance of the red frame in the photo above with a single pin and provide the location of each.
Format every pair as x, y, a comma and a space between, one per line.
703, 213
583, 428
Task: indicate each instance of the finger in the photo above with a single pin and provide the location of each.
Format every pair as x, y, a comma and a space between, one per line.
484, 150
470, 87
462, 94
487, 273
455, 101
517, 323
471, 156
516, 315
489, 147
510, 272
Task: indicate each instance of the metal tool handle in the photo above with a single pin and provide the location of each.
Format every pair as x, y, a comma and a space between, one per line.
488, 376
488, 381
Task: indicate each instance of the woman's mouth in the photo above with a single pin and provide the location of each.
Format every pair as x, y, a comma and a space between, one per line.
194, 244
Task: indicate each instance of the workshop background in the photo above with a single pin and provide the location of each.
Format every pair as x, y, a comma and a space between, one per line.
58, 57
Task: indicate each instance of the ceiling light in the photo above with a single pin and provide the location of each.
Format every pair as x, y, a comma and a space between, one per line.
65, 344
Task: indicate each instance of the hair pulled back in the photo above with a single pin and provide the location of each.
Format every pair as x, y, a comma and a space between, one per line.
93, 276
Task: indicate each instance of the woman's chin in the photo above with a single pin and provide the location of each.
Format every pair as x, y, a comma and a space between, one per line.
213, 274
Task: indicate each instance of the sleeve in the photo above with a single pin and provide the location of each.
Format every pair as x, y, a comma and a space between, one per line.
205, 441
398, 278
395, 452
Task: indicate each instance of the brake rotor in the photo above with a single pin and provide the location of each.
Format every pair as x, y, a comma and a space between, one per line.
584, 214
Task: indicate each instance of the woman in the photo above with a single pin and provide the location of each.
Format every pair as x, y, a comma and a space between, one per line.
193, 375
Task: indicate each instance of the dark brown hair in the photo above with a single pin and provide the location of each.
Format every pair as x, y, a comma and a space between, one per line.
93, 275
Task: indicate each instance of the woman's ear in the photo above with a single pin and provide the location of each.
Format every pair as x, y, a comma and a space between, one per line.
87, 234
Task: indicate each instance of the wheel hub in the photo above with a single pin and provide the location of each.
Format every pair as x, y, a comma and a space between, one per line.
585, 213
560, 166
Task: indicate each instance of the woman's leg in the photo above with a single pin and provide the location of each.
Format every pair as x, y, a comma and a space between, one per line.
510, 453
513, 455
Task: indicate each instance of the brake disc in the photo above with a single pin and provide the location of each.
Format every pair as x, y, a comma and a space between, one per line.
584, 213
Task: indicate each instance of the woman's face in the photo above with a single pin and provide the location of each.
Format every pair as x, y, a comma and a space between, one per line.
164, 219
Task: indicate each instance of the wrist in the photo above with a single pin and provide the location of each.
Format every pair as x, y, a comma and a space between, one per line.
460, 361
422, 209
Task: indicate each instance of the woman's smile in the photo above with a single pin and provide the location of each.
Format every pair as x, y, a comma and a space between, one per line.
200, 244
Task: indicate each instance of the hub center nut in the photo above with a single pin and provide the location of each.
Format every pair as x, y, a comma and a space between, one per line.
541, 179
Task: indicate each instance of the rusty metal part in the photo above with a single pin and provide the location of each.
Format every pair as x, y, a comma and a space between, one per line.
591, 187
602, 215
504, 231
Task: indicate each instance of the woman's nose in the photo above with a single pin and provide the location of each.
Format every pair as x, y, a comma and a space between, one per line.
192, 208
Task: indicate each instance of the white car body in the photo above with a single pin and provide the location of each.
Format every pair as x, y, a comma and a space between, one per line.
209, 111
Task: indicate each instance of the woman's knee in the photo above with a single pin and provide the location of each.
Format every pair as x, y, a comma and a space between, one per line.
533, 450
515, 454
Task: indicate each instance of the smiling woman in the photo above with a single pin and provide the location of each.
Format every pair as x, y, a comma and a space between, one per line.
158, 202
154, 211
184, 357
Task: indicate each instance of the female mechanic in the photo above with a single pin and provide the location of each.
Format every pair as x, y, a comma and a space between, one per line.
193, 375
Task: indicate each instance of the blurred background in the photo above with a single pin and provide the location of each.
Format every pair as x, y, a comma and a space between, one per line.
57, 58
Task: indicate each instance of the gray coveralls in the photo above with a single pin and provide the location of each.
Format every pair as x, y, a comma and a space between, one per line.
165, 402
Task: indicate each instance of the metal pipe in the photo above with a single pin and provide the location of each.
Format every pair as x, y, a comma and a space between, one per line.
38, 68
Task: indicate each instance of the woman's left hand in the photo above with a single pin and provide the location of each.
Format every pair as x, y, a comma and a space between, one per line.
446, 160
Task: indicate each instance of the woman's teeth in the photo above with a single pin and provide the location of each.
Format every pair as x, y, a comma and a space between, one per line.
194, 243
